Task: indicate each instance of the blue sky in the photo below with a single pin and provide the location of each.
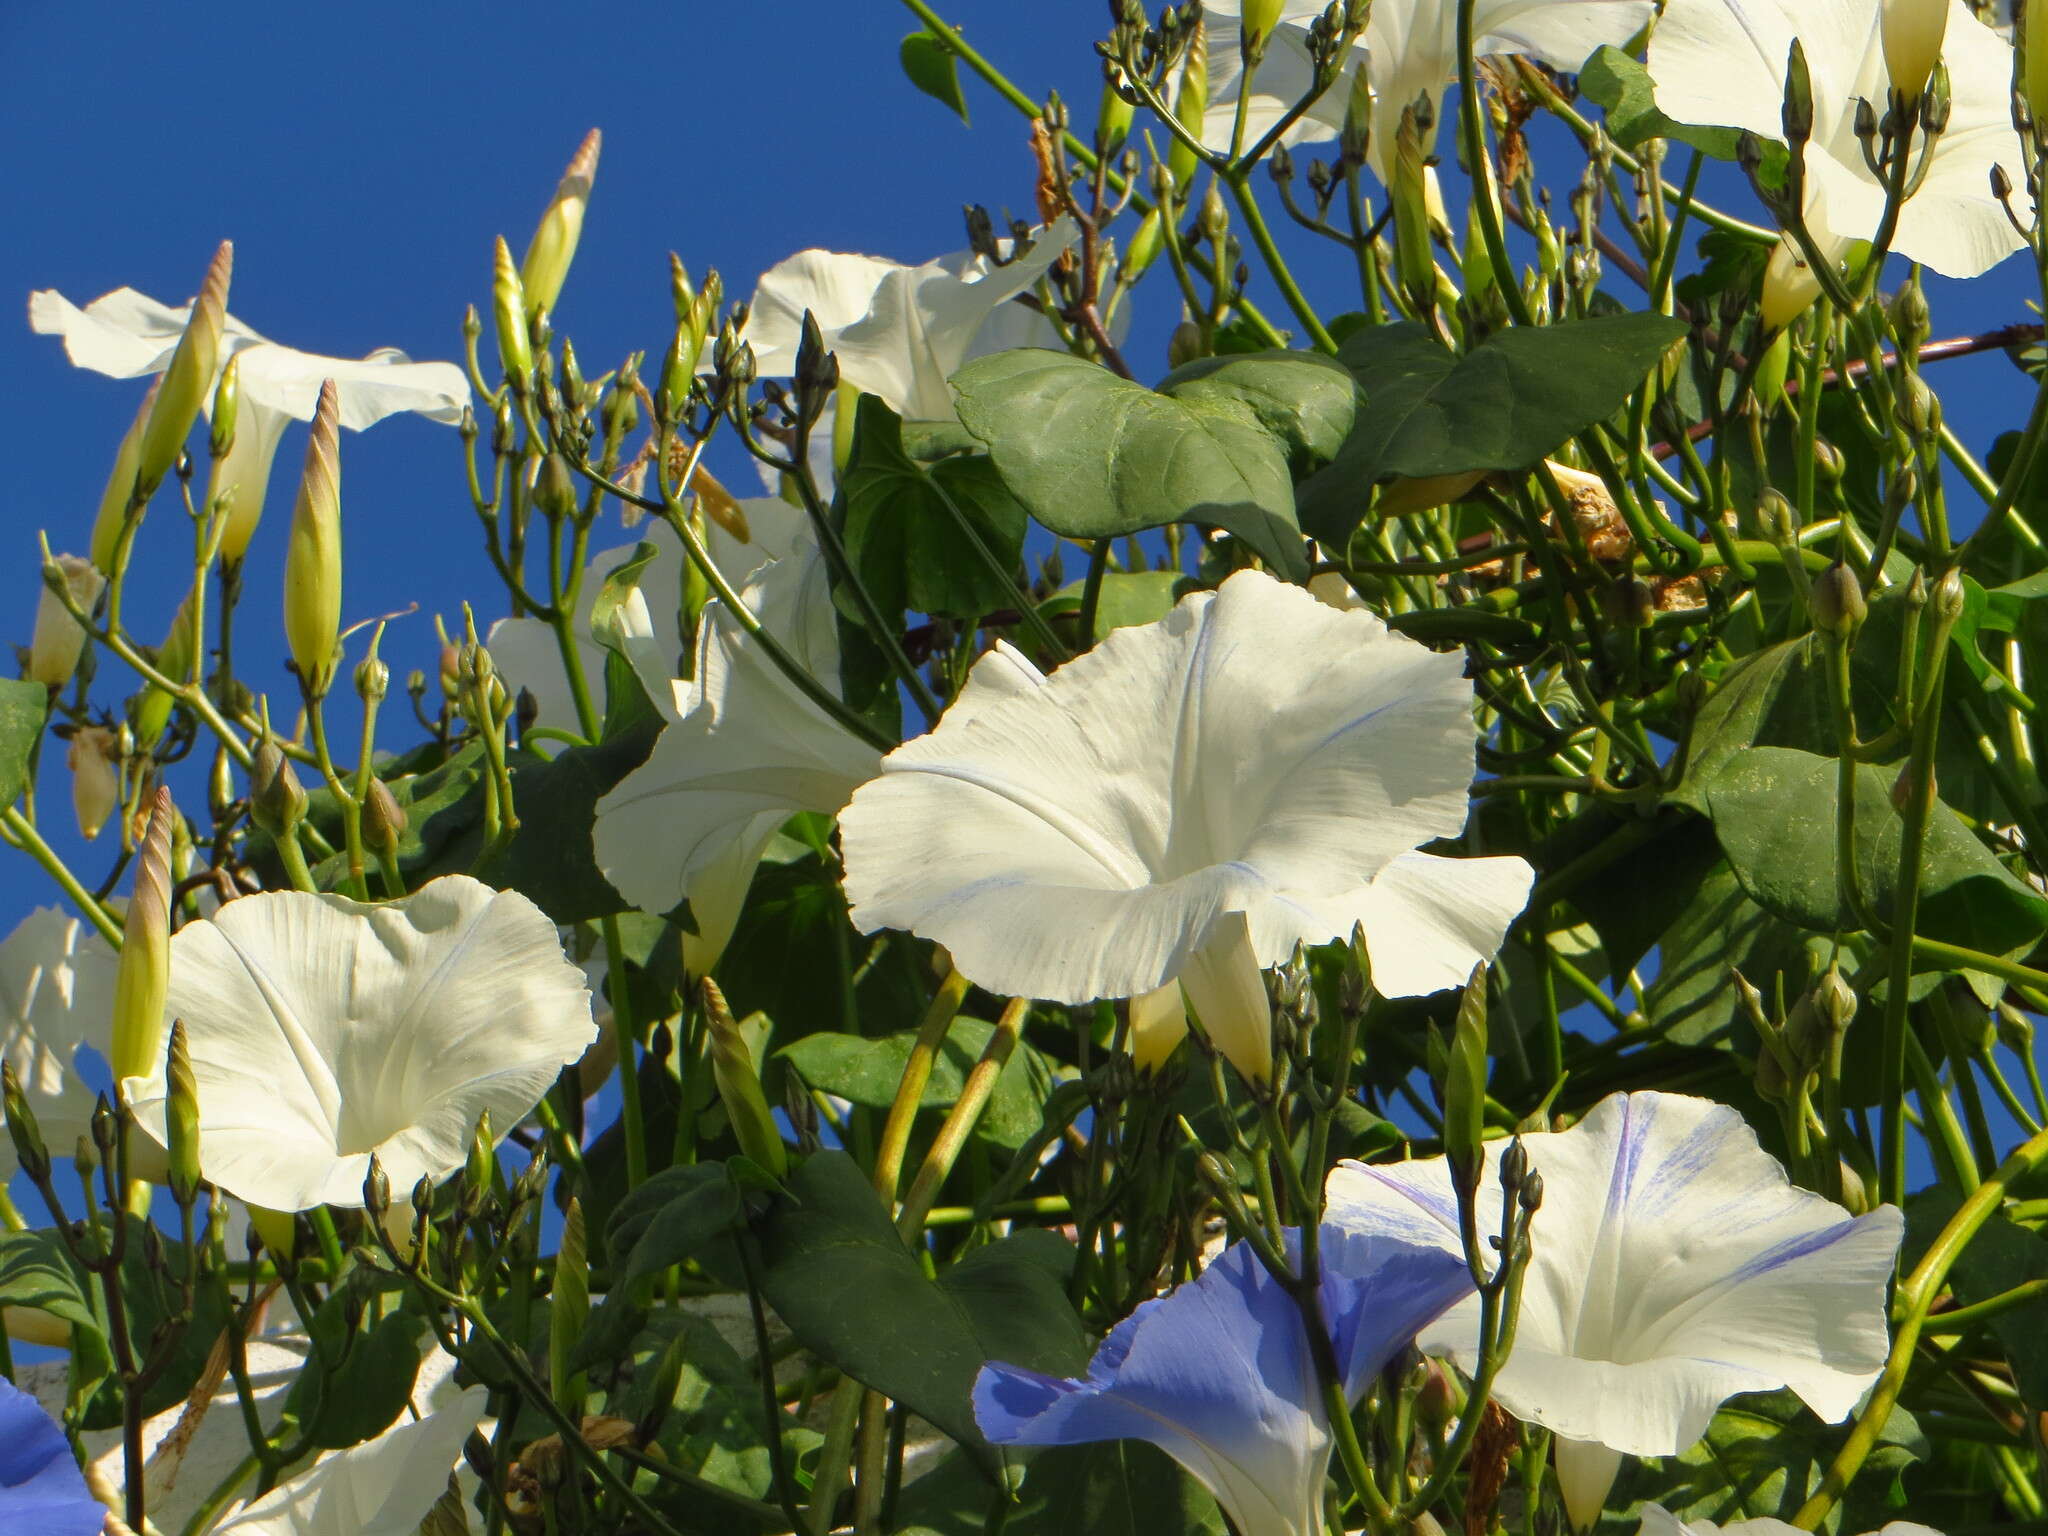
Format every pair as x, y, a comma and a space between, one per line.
363, 167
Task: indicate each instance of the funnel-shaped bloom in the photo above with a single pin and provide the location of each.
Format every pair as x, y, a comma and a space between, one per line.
526, 655
1190, 800
41, 1489
899, 332
1721, 63
745, 749
1410, 49
1659, 1521
1674, 1266
323, 1030
383, 1487
1218, 1374
127, 335
56, 993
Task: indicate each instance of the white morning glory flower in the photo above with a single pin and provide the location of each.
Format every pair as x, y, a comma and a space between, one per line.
900, 332
744, 750
56, 994
1659, 1521
1191, 799
323, 1030
1218, 1374
1722, 63
383, 1487
1410, 49
1674, 1266
524, 652
128, 335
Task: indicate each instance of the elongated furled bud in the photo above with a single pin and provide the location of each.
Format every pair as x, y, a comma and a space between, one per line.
508, 313
175, 659
1413, 258
739, 1085
1796, 114
1789, 285
554, 240
95, 777
1836, 599
227, 409
144, 976
181, 1120
22, 1129
1113, 116
1355, 139
277, 801
120, 491
1912, 32
483, 1155
1260, 17
59, 639
1464, 1087
312, 562
383, 818
1190, 106
189, 378
568, 1310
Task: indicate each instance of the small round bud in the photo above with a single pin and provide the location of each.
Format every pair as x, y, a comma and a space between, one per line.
373, 679
383, 818
1835, 601
277, 801
554, 488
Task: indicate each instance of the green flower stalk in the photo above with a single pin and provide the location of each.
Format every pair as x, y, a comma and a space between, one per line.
739, 1085
174, 658
59, 639
554, 240
120, 492
312, 565
143, 979
182, 1120
188, 380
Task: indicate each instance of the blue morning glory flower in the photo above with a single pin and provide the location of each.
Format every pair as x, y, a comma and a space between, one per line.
42, 1492
1218, 1374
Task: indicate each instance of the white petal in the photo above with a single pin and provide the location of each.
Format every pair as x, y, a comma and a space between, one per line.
1159, 1022
123, 334
1252, 749
1675, 1265
56, 994
1283, 77
383, 1487
371, 388
1228, 991
1429, 920
323, 1030
1586, 1470
836, 287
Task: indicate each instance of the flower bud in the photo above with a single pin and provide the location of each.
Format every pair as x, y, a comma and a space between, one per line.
1796, 114
1789, 286
120, 492
1185, 345
277, 801
739, 1085
95, 778
59, 638
1145, 246
143, 978
1919, 406
188, 380
227, 409
1113, 116
1630, 603
22, 1129
1190, 106
482, 1161
373, 679
508, 313
2034, 62
554, 240
568, 1309
383, 818
312, 563
1950, 596
181, 1118
554, 488
1835, 600
1911, 32
240, 478
1354, 141
1464, 1081
1911, 322
1414, 260
1260, 17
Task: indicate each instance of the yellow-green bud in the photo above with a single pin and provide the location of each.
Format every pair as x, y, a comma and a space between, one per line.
483, 1151
681, 290
22, 1129
554, 240
739, 1085
1789, 285
1771, 369
1214, 218
554, 488
227, 409
2034, 62
143, 979
1113, 116
508, 313
1414, 258
59, 639
1190, 106
95, 777
1355, 139
373, 679
383, 818
1950, 597
175, 658
189, 379
181, 1117
277, 801
1464, 1084
1836, 600
1919, 406
568, 1310
1911, 32
312, 562
1258, 19
120, 492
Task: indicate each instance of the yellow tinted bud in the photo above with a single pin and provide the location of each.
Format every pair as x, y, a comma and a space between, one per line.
312, 563
554, 240
189, 379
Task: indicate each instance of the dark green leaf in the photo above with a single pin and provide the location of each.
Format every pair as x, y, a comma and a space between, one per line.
2001, 1256
1307, 400
849, 1288
1111, 1488
1093, 456
368, 1386
931, 67
867, 1072
37, 1271
668, 1219
923, 537
1502, 406
1127, 598
22, 708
